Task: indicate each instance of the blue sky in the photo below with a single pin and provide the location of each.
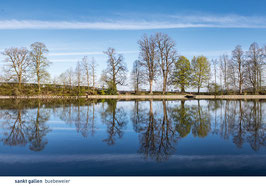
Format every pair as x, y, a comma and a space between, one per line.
72, 29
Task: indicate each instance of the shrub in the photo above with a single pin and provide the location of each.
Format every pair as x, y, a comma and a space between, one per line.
102, 92
16, 92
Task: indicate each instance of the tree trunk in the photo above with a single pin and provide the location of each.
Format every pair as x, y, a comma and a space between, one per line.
164, 84
151, 82
79, 88
93, 81
240, 82
39, 85
240, 88
19, 82
19, 86
88, 80
182, 89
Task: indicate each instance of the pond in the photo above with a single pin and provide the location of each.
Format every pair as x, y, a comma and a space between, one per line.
132, 138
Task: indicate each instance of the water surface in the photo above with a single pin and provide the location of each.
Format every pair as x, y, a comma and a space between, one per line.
111, 137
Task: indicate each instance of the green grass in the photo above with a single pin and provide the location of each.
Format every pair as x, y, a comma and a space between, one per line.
11, 89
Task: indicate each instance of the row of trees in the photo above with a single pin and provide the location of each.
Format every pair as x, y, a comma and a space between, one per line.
158, 58
157, 61
24, 64
244, 69
84, 74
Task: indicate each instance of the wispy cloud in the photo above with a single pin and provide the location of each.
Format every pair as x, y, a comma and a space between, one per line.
87, 53
166, 22
225, 20
114, 25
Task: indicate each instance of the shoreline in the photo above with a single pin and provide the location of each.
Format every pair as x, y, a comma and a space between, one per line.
233, 97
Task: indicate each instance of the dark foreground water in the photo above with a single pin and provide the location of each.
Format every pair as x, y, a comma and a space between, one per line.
88, 138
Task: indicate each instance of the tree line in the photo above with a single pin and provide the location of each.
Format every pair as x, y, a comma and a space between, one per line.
158, 59
158, 63
24, 64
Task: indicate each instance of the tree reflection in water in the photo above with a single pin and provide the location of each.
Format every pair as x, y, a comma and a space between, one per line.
201, 124
157, 135
15, 128
253, 125
37, 129
115, 120
159, 124
159, 132
23, 126
182, 119
80, 113
243, 121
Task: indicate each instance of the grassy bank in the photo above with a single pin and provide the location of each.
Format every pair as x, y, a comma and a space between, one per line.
11, 89
50, 91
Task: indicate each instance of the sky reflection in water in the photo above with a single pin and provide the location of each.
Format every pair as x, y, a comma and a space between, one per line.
96, 137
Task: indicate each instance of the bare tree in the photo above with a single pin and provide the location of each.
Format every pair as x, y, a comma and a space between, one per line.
19, 62
167, 56
63, 80
232, 76
93, 67
69, 77
1, 78
78, 73
254, 65
86, 68
148, 58
115, 73
40, 62
239, 63
224, 62
55, 81
89, 68
215, 62
137, 75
